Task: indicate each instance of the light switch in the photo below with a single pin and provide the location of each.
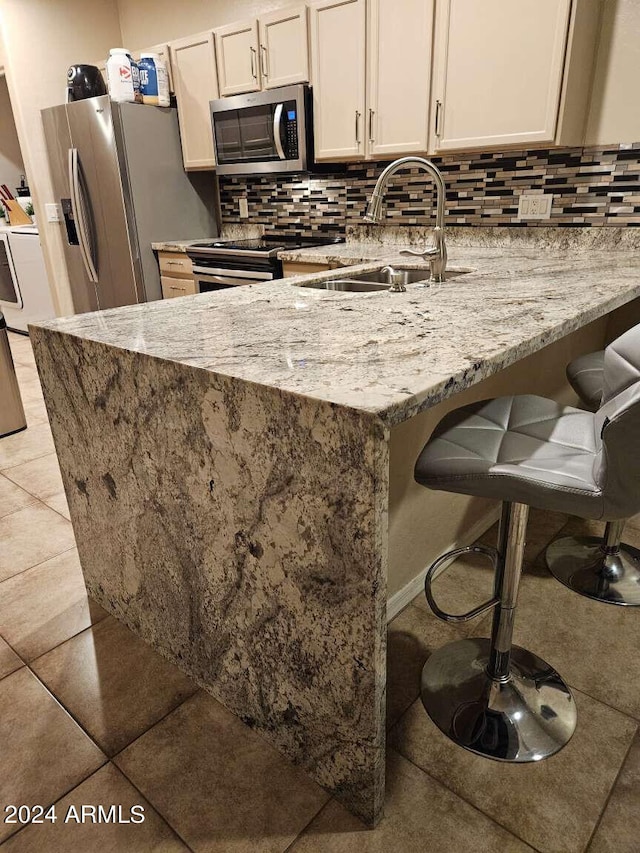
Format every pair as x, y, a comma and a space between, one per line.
243, 207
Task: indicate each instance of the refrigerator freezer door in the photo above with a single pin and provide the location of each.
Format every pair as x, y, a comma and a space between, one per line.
163, 201
56, 129
105, 220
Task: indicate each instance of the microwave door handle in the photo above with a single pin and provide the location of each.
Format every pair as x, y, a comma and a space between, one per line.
78, 215
277, 126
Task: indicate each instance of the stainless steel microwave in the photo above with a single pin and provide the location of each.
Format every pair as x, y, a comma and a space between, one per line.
263, 131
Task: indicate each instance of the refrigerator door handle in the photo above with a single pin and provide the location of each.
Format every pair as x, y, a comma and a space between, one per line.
277, 125
78, 207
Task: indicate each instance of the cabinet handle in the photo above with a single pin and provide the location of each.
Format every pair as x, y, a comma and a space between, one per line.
253, 63
371, 115
265, 60
358, 127
438, 114
176, 263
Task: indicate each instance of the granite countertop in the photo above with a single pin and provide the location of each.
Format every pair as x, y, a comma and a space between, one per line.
178, 245
388, 354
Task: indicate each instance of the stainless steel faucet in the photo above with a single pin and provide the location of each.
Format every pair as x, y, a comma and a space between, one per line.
436, 254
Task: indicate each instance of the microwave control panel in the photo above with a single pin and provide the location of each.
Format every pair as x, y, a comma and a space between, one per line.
291, 130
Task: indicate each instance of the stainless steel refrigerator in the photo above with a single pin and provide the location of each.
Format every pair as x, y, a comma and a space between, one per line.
118, 175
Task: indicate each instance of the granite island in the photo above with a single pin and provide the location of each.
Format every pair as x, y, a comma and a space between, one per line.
228, 460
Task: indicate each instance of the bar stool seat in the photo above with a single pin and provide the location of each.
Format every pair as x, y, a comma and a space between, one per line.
524, 449
586, 376
490, 696
605, 569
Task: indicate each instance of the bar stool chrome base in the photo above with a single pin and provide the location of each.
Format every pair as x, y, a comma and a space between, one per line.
583, 564
526, 717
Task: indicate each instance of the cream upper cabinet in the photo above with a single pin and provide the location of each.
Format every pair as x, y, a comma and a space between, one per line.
284, 51
163, 51
237, 49
498, 70
399, 38
194, 78
338, 74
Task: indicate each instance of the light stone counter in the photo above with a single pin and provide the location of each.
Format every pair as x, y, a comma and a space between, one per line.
226, 462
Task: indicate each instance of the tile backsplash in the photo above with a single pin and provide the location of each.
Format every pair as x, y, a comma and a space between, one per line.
590, 186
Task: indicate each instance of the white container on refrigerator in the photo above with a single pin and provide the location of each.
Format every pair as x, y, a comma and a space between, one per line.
35, 303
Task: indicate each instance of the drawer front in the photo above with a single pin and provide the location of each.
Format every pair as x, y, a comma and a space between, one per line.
172, 287
175, 263
290, 268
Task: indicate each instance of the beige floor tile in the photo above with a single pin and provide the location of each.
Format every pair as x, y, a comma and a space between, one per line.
420, 815
114, 684
9, 660
219, 784
32, 443
46, 605
106, 787
44, 752
59, 504
30, 536
35, 412
12, 497
40, 477
553, 804
412, 636
619, 829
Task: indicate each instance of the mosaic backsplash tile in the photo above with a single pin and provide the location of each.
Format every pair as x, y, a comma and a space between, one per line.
590, 186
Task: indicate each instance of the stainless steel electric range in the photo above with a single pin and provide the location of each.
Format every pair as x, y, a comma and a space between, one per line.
228, 263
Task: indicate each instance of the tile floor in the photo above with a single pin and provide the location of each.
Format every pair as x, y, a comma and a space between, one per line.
90, 715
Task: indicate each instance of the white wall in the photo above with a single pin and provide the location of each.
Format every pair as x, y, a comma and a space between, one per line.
41, 39
614, 114
11, 166
148, 22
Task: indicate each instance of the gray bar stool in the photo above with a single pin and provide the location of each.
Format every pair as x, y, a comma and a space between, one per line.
605, 569
490, 696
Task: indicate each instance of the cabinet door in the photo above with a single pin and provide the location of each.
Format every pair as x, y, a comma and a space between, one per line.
338, 76
194, 78
238, 58
498, 68
399, 76
284, 51
164, 53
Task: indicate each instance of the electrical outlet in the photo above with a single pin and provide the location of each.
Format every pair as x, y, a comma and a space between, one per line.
243, 207
53, 212
535, 206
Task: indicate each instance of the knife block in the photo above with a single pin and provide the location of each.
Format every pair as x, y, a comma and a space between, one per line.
17, 216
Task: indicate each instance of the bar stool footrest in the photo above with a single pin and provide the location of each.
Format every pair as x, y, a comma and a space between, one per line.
580, 563
530, 716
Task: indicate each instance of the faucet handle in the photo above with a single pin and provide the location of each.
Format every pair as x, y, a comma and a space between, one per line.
427, 252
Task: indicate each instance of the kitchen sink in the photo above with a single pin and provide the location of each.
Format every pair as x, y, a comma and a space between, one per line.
351, 285
374, 280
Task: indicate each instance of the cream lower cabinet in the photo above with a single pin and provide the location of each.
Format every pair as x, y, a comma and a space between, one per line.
195, 81
498, 72
378, 108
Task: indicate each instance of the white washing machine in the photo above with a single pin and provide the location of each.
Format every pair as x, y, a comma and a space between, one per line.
24, 288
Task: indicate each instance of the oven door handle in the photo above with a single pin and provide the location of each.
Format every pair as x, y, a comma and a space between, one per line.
252, 275
277, 127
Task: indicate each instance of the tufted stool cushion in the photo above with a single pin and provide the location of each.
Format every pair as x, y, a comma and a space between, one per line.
523, 449
586, 376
